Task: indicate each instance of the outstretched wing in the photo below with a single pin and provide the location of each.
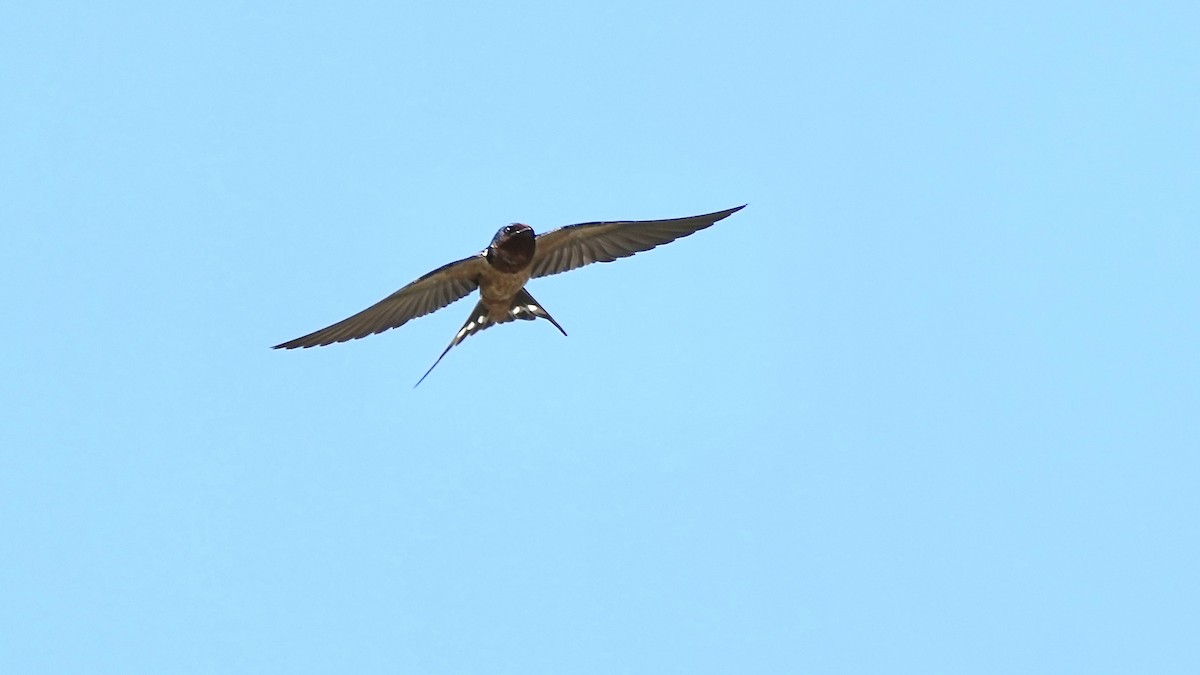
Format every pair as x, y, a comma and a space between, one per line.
574, 246
428, 294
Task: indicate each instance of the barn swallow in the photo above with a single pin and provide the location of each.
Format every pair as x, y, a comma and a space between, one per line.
500, 272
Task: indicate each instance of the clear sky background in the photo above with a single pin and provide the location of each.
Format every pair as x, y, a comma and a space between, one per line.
928, 405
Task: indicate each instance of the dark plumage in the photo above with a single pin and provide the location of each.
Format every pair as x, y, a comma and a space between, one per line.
500, 272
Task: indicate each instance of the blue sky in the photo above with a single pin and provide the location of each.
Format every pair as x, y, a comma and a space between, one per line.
929, 404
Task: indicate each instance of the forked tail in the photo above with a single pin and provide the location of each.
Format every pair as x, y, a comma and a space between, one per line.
524, 307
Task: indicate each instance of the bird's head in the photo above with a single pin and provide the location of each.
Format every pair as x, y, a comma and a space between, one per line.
512, 248
516, 230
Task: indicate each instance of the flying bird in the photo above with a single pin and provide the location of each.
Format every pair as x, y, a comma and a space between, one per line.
500, 272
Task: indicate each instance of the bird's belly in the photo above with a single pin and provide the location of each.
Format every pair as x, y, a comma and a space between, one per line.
498, 288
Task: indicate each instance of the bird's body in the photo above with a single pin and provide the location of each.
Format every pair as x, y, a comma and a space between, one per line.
501, 271
510, 258
496, 291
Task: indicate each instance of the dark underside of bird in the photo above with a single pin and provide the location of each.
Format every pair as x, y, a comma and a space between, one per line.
500, 272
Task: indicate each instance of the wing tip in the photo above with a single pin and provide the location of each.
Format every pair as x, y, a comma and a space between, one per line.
305, 343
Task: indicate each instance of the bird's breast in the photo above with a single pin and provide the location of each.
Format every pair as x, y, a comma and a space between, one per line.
497, 286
